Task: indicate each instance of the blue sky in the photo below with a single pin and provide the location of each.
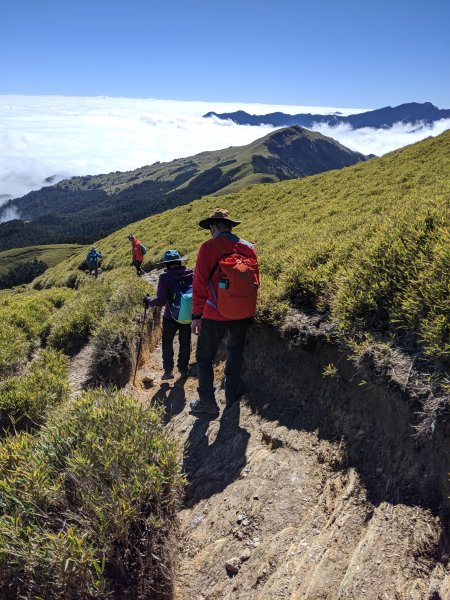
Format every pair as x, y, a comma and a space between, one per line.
322, 52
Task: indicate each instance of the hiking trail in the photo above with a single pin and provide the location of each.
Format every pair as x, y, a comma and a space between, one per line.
274, 509
79, 370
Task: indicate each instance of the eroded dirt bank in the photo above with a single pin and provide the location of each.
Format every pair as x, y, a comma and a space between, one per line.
313, 488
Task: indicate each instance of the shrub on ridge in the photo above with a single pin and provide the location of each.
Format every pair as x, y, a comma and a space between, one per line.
84, 501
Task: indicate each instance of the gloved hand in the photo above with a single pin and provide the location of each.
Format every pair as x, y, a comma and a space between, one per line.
147, 301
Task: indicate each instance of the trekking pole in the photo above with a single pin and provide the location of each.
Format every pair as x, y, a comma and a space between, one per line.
140, 345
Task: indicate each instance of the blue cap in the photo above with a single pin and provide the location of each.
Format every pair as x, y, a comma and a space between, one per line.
172, 256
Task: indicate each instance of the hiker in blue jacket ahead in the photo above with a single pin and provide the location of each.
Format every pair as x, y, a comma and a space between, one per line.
175, 294
93, 259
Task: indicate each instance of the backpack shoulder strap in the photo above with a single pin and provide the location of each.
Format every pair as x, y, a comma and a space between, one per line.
173, 280
213, 270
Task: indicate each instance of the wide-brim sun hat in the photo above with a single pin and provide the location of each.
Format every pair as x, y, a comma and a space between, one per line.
171, 256
218, 214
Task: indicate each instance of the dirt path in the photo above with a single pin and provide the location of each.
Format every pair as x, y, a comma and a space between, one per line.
271, 512
79, 370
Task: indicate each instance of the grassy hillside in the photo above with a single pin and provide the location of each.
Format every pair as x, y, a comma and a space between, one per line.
83, 209
52, 255
368, 245
83, 500
87, 485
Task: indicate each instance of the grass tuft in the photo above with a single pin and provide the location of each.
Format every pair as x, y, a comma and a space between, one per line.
26, 400
81, 500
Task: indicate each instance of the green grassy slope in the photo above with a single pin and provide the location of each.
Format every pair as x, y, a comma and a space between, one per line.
367, 244
83, 209
52, 255
87, 484
287, 153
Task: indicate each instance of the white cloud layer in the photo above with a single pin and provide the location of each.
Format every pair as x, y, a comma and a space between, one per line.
47, 136
380, 141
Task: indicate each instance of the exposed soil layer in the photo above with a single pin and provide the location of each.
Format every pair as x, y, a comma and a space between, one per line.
312, 487
373, 423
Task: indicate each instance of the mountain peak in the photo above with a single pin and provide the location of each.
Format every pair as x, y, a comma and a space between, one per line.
83, 209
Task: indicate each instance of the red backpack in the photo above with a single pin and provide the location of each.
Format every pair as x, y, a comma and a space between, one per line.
238, 286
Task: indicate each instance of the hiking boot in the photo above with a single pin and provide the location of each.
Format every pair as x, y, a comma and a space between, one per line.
184, 373
201, 408
167, 375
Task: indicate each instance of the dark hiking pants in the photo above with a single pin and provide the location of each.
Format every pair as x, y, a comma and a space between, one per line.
137, 265
93, 266
169, 330
211, 335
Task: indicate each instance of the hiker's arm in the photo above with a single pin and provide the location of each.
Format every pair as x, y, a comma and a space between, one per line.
163, 294
200, 284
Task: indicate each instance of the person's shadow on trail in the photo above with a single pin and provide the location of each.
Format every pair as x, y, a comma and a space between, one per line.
211, 468
173, 399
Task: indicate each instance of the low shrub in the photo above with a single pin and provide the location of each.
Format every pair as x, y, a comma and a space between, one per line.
400, 284
74, 323
26, 317
25, 400
30, 309
116, 336
85, 501
14, 348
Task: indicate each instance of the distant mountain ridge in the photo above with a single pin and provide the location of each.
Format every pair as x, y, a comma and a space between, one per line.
382, 118
82, 209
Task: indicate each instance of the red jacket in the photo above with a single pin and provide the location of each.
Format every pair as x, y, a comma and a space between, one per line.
136, 250
209, 254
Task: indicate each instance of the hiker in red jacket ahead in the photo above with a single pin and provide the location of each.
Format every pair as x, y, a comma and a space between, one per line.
137, 254
226, 282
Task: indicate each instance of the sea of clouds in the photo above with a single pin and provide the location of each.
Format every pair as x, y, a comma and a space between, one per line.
56, 137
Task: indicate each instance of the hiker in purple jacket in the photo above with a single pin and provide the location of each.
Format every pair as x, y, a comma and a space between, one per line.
175, 277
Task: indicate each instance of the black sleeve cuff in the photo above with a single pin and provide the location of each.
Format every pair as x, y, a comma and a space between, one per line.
196, 317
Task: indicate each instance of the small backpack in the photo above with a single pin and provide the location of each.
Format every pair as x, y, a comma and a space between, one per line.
238, 286
181, 304
143, 248
92, 257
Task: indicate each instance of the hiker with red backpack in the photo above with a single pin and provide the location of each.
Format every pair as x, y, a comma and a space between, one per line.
226, 283
138, 251
175, 293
